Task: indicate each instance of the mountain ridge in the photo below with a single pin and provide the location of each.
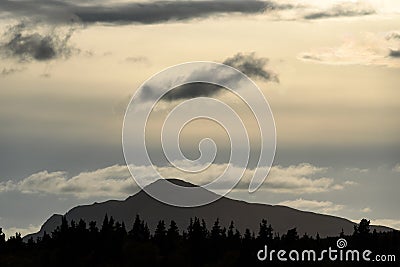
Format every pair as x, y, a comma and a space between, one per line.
244, 214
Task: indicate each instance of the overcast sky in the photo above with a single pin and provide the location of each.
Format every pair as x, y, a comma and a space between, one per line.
330, 72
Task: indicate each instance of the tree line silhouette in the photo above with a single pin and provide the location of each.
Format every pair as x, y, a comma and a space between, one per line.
111, 244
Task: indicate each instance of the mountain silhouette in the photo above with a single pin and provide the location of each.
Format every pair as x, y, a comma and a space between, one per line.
244, 214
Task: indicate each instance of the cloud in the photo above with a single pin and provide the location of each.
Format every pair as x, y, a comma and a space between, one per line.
301, 179
154, 12
20, 42
192, 90
395, 224
393, 36
139, 12
249, 64
344, 9
371, 49
252, 66
366, 210
394, 53
137, 59
116, 182
10, 71
350, 183
113, 181
296, 179
396, 168
22, 230
358, 170
313, 205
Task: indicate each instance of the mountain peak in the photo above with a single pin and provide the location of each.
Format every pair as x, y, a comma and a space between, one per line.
174, 181
179, 193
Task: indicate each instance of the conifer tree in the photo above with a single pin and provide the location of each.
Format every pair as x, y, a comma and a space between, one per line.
2, 238
173, 230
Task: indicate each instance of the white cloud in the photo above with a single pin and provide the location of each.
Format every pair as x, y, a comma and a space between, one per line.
300, 179
295, 179
313, 205
397, 168
116, 182
357, 170
366, 210
387, 222
376, 49
113, 181
23, 231
350, 183
393, 36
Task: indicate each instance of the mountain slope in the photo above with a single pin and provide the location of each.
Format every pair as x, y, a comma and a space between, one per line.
245, 215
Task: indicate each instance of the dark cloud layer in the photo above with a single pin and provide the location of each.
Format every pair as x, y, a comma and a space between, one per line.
146, 13
192, 90
249, 64
157, 12
21, 43
252, 66
152, 12
342, 10
394, 53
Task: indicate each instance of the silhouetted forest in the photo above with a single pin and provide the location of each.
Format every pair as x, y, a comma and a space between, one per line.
115, 244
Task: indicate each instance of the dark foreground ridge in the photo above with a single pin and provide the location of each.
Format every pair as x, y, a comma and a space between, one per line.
111, 244
141, 231
244, 214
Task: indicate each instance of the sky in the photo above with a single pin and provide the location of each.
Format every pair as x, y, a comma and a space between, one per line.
330, 72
